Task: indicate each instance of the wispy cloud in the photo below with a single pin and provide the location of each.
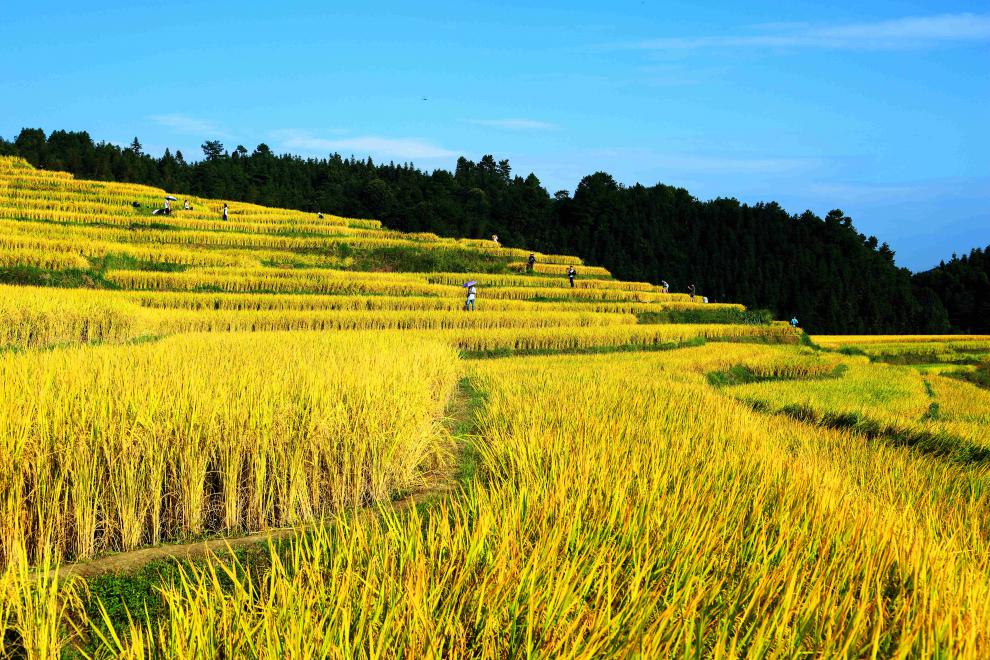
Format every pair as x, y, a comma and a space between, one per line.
374, 145
680, 163
865, 192
899, 193
189, 125
515, 124
730, 165
898, 33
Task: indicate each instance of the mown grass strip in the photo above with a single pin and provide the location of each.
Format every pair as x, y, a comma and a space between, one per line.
936, 444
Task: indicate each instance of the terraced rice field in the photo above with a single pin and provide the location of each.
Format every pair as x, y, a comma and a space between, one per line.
588, 482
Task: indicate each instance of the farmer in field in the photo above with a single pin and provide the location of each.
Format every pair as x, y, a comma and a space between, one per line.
225, 212
472, 291
794, 322
531, 263
495, 240
168, 207
691, 290
185, 205
570, 275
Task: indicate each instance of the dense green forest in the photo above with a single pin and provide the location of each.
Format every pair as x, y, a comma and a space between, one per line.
963, 285
834, 279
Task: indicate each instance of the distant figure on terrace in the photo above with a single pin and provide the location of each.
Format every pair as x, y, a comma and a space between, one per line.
495, 239
691, 290
666, 287
168, 207
469, 303
570, 275
794, 322
225, 213
531, 263
185, 205
319, 214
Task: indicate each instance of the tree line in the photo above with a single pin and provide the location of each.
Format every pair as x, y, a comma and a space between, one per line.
963, 287
833, 278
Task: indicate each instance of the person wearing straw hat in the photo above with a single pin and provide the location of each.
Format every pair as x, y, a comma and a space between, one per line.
472, 291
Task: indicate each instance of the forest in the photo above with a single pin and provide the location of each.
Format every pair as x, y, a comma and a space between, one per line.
821, 270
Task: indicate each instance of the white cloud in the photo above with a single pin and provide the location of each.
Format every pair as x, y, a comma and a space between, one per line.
190, 125
862, 192
715, 164
677, 163
882, 193
899, 33
377, 146
515, 124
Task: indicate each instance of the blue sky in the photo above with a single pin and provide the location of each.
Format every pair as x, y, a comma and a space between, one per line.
878, 108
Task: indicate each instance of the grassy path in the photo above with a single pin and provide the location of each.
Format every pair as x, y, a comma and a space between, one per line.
133, 560
459, 423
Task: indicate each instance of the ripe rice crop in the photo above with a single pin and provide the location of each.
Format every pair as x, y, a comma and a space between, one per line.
175, 321
838, 341
560, 269
32, 316
274, 281
644, 336
263, 301
622, 511
566, 293
23, 256
745, 497
86, 248
496, 280
266, 301
109, 448
942, 416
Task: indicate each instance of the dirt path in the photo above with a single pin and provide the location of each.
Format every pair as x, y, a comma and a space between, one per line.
131, 561
457, 420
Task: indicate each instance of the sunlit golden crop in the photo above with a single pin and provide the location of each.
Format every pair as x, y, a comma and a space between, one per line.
592, 482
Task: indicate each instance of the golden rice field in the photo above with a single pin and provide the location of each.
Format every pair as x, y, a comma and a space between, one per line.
555, 474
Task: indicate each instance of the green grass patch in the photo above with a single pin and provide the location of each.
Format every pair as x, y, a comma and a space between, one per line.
710, 315
63, 279
421, 260
939, 444
742, 375
136, 596
979, 376
805, 340
464, 427
74, 278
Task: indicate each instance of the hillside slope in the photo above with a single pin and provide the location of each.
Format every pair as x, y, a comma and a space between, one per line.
276, 269
821, 269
